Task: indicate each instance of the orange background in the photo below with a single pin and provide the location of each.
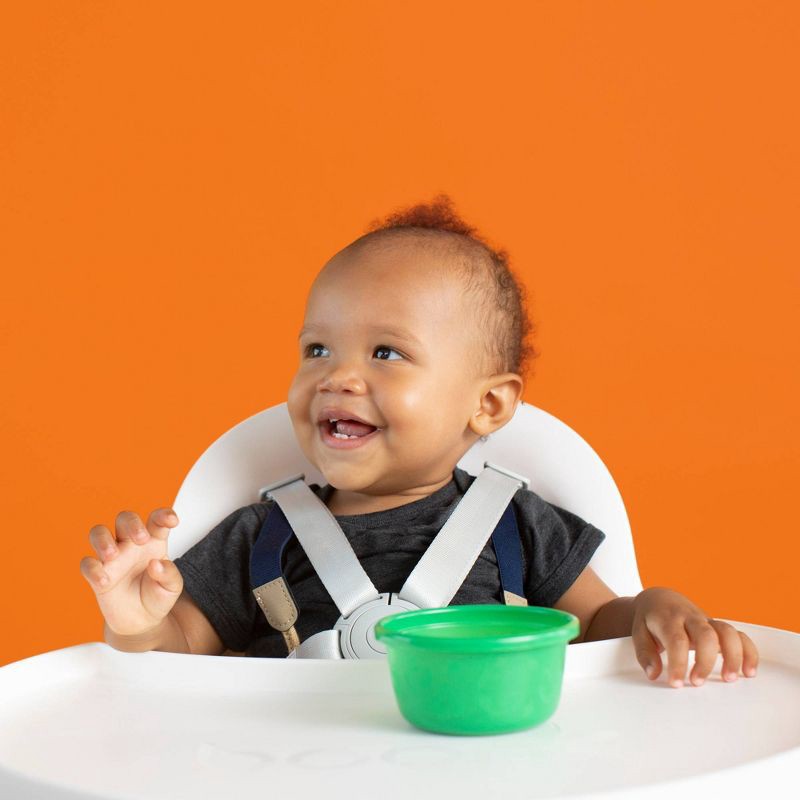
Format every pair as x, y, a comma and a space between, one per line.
174, 175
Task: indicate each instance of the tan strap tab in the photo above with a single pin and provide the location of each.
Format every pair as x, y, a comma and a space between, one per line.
514, 599
292, 639
277, 604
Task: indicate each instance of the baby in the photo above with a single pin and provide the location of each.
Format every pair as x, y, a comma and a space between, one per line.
417, 330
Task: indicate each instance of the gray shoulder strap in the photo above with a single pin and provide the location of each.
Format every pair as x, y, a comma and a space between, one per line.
441, 570
450, 556
324, 543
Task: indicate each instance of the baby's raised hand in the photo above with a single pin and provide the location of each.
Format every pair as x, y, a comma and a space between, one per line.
666, 620
135, 585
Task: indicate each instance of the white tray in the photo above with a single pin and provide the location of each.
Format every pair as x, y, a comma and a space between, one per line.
90, 721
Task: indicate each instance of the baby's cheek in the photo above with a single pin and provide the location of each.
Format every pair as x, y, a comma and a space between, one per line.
411, 402
294, 401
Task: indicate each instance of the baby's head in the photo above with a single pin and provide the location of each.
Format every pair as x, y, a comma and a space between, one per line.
419, 329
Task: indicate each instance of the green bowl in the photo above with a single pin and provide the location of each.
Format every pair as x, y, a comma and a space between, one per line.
477, 669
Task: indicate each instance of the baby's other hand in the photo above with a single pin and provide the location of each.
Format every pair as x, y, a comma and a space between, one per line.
135, 585
666, 620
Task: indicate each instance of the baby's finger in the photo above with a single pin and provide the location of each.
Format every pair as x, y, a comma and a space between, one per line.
93, 571
750, 658
676, 642
131, 528
103, 542
161, 521
730, 643
166, 574
161, 593
647, 651
706, 648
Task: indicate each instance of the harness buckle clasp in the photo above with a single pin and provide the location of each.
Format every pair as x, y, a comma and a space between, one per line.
525, 481
264, 492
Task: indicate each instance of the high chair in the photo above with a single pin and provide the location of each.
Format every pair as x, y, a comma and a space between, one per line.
92, 722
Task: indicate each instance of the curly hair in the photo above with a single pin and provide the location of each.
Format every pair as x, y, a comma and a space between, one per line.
501, 298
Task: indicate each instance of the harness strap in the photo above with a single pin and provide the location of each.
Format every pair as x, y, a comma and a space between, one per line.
272, 591
508, 549
450, 556
325, 544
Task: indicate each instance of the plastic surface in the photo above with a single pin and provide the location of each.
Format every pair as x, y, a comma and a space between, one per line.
477, 669
89, 721
562, 467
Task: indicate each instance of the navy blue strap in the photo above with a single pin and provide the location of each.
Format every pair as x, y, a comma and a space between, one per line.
508, 549
265, 562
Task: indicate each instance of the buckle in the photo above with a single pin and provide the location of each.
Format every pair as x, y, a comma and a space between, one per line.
516, 476
264, 492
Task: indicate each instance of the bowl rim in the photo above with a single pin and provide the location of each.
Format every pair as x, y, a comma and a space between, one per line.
394, 629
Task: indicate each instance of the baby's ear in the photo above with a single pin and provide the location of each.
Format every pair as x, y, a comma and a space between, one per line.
500, 396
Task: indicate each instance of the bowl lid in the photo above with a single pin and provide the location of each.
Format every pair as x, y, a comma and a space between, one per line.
479, 628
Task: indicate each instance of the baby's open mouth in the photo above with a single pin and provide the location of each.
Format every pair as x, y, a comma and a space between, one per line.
348, 428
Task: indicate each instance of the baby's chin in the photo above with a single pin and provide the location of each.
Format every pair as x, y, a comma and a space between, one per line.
349, 480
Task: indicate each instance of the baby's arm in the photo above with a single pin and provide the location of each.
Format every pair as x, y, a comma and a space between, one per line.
587, 596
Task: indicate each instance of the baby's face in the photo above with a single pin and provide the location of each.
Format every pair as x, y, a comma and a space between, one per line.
389, 338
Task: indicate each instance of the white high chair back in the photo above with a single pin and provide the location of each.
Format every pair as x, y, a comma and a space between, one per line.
562, 469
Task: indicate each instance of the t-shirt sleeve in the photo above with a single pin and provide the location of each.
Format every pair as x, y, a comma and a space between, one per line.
216, 574
558, 546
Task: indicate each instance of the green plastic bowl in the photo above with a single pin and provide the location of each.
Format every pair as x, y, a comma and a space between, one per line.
477, 669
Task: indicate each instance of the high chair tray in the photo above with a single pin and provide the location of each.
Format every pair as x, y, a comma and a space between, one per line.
89, 721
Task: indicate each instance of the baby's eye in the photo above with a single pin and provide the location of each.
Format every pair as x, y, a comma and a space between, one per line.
388, 350
312, 347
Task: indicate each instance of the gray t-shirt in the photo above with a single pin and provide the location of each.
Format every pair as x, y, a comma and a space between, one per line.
556, 546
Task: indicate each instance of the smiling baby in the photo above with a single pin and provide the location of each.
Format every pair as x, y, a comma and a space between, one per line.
413, 346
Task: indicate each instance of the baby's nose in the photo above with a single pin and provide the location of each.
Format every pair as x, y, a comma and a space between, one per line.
342, 378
